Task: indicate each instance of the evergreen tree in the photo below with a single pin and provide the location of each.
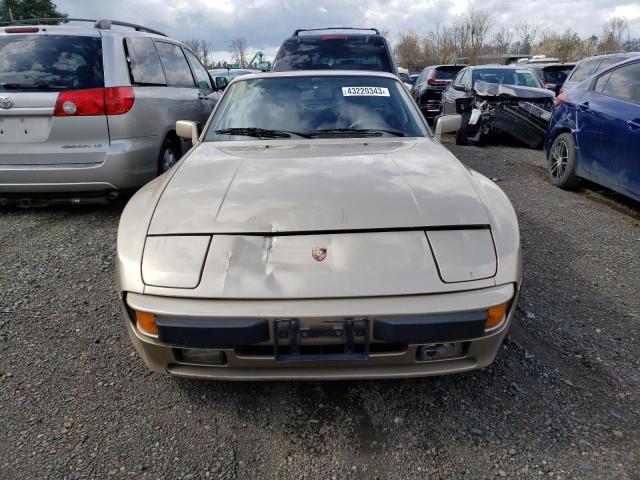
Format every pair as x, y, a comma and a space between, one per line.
11, 10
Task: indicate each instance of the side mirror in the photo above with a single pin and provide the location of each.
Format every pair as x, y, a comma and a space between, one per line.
446, 124
221, 83
459, 87
188, 130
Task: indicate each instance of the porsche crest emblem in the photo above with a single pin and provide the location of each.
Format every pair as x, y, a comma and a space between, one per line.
319, 253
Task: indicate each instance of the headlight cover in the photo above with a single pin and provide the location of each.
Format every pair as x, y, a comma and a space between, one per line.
174, 261
463, 255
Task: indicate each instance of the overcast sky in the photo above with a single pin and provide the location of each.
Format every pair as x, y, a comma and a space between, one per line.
265, 23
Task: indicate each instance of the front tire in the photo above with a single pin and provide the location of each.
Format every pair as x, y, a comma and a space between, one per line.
462, 134
169, 155
561, 162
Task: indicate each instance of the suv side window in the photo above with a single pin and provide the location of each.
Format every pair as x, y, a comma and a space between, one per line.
202, 76
623, 83
583, 70
144, 63
175, 65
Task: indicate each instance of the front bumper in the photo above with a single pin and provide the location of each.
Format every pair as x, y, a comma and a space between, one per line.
393, 359
128, 164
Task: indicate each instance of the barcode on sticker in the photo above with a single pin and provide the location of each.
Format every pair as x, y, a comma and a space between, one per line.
365, 92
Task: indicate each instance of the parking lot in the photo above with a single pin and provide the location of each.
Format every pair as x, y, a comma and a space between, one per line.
560, 401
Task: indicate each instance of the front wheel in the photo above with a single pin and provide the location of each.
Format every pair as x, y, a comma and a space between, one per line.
462, 134
562, 162
169, 156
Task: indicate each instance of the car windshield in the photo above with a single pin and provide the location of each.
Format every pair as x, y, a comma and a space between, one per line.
507, 76
340, 52
50, 62
315, 107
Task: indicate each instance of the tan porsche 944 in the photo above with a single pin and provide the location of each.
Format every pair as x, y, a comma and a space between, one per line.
317, 230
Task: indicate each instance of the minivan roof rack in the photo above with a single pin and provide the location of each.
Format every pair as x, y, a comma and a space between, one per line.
100, 24
295, 34
106, 25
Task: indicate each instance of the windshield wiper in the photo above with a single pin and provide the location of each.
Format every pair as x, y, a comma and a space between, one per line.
365, 132
37, 85
260, 132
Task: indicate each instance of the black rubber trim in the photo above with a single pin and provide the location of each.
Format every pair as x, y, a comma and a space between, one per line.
430, 328
193, 332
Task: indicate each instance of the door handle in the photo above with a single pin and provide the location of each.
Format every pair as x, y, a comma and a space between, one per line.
584, 106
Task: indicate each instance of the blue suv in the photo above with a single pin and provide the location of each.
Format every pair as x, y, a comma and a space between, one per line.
594, 132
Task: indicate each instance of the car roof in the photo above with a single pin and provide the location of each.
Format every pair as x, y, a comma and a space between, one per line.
612, 54
86, 27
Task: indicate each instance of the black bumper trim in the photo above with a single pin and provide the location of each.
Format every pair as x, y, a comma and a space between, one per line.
435, 328
193, 332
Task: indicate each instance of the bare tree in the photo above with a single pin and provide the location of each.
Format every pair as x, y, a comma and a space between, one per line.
408, 51
615, 33
201, 49
238, 50
528, 32
502, 40
478, 24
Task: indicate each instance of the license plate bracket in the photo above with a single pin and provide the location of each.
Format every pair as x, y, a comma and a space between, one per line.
348, 329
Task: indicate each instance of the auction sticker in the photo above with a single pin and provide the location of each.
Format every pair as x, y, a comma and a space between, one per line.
365, 92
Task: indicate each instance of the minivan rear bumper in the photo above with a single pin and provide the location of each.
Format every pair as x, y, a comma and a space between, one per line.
129, 163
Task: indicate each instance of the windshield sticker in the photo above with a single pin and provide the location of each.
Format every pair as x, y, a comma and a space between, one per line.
365, 92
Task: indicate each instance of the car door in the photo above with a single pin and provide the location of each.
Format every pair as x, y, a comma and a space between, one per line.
208, 98
609, 129
450, 95
181, 92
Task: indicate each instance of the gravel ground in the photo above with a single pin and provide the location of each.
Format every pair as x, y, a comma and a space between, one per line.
560, 401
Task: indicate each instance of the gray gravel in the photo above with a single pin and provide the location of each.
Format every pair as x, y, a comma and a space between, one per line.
560, 401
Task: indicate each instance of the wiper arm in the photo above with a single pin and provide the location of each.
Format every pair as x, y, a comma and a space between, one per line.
43, 86
260, 132
368, 132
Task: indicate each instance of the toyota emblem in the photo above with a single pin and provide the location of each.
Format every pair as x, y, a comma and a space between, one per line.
6, 103
319, 253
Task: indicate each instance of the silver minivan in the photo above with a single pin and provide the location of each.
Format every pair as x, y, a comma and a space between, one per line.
89, 110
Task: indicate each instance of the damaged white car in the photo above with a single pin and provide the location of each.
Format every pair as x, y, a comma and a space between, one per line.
316, 230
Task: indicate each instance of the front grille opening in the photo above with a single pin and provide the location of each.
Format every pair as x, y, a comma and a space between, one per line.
268, 351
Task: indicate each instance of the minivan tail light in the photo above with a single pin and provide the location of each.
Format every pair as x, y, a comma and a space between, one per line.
80, 103
94, 101
118, 100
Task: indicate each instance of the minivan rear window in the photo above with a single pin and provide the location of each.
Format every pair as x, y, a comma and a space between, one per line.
50, 62
337, 52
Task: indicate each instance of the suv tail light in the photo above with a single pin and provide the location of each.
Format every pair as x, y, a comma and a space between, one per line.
436, 83
94, 101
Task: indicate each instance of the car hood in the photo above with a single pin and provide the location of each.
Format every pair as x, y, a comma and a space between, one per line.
486, 89
324, 185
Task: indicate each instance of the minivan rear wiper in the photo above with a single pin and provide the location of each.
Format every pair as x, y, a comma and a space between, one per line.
260, 132
37, 85
368, 132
